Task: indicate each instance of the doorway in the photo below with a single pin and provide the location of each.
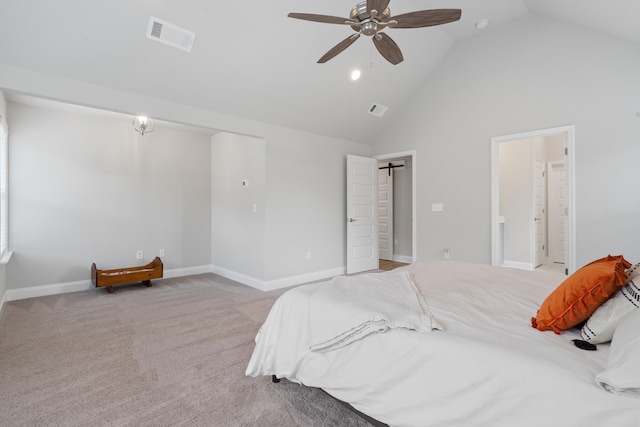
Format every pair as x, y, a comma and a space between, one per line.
523, 205
362, 211
397, 207
556, 217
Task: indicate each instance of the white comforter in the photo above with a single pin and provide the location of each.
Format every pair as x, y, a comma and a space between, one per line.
488, 368
350, 308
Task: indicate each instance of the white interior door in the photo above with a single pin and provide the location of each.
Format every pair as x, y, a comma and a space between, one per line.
557, 210
385, 214
539, 199
362, 224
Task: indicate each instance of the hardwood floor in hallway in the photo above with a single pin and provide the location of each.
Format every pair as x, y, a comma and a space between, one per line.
390, 265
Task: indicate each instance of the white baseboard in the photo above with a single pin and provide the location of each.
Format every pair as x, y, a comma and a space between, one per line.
83, 285
403, 258
186, 271
303, 278
271, 285
518, 265
46, 290
238, 277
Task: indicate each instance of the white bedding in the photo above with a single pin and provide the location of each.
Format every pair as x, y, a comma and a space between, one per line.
488, 367
349, 308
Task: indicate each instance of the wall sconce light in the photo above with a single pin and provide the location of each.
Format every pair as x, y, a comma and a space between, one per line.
143, 124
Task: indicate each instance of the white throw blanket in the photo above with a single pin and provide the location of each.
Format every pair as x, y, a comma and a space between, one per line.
351, 307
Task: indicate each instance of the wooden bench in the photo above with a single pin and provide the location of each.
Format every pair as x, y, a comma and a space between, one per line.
122, 276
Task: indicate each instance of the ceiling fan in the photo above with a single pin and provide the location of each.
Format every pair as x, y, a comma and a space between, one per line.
371, 17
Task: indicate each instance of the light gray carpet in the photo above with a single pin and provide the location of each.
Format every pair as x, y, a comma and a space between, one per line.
170, 355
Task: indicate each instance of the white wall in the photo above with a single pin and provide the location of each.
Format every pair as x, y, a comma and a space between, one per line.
306, 205
87, 189
319, 161
297, 183
530, 74
3, 279
238, 233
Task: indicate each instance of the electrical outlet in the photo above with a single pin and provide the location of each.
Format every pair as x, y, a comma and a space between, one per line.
161, 253
139, 254
445, 253
308, 254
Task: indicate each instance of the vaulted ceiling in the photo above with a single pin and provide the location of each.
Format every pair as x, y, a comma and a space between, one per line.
250, 60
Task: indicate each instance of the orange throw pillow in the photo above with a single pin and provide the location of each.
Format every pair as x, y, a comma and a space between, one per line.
575, 300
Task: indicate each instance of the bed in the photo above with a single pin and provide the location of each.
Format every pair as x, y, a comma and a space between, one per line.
471, 359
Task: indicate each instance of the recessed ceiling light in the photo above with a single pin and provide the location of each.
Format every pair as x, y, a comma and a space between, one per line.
355, 74
482, 23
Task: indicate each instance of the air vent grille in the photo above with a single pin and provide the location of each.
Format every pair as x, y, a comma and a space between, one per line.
378, 110
170, 34
156, 30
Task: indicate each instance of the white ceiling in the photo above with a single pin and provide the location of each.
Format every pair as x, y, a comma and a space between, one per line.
250, 60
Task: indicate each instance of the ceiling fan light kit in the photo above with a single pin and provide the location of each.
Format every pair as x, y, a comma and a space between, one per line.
371, 17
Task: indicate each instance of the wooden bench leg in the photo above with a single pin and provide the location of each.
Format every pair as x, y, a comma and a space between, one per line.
147, 283
110, 289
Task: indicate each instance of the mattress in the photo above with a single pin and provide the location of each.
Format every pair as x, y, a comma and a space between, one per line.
486, 367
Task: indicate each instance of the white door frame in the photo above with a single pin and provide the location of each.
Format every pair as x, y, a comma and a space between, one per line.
414, 216
569, 140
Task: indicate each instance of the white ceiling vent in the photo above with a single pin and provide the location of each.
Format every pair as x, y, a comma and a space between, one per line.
170, 34
378, 110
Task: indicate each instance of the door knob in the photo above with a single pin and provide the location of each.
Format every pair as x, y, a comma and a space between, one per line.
352, 219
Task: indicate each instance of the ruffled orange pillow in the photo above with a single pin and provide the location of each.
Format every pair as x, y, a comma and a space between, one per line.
575, 300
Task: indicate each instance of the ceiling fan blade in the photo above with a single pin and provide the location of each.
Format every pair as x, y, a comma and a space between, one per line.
425, 18
339, 48
321, 18
388, 48
377, 5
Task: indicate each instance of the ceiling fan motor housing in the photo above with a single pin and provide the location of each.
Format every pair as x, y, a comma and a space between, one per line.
367, 24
